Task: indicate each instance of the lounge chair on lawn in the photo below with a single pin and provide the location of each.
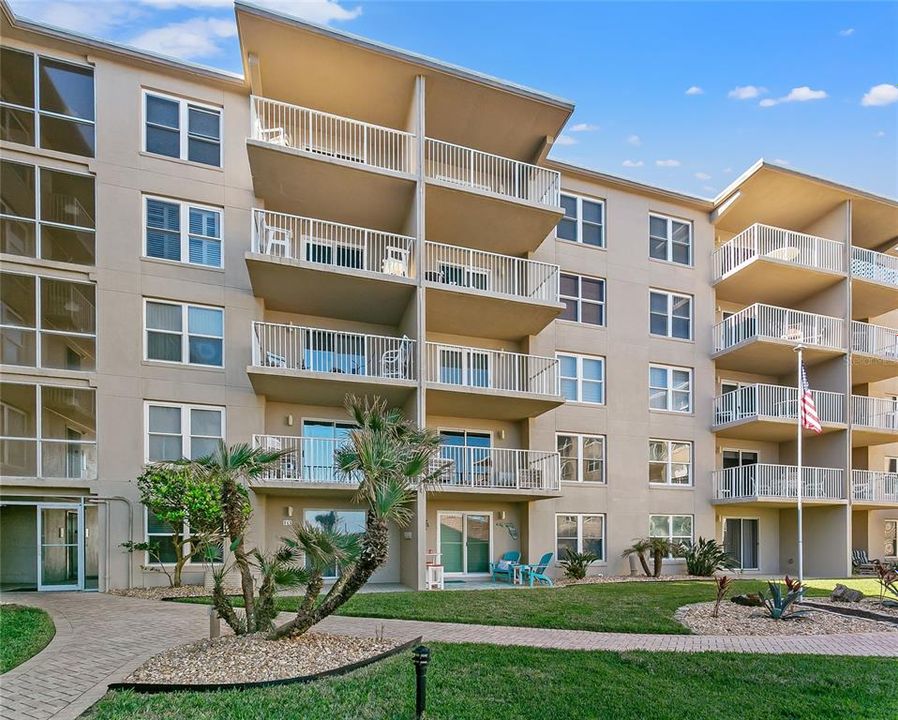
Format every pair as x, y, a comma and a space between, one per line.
538, 572
504, 566
861, 563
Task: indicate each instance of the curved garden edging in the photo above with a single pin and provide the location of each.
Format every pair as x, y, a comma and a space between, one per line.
150, 688
852, 612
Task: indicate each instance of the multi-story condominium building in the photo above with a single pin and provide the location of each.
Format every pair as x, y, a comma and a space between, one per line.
190, 255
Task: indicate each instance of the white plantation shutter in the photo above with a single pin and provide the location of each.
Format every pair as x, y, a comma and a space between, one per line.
163, 230
205, 237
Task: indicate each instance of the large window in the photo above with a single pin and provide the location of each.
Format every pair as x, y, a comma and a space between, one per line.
670, 314
670, 240
161, 535
675, 528
183, 129
54, 113
47, 322
583, 221
579, 532
584, 299
182, 232
670, 462
47, 214
182, 431
582, 378
348, 522
582, 457
670, 388
182, 333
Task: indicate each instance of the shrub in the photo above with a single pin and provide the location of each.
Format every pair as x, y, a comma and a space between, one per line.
576, 564
723, 583
779, 604
706, 557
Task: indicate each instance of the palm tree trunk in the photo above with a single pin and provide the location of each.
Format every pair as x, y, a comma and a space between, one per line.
645, 565
658, 557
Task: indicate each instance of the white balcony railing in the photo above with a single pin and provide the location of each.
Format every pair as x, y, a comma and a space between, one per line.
875, 340
293, 347
873, 412
332, 244
778, 482
336, 137
774, 402
773, 243
875, 266
497, 468
873, 486
491, 369
491, 272
478, 170
308, 459
767, 322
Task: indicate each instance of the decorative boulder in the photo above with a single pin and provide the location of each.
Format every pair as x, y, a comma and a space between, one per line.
750, 600
842, 593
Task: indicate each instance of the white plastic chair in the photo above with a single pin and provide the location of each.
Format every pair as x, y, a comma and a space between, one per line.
395, 261
393, 363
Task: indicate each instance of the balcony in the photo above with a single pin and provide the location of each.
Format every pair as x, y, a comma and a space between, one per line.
762, 338
769, 413
873, 489
315, 366
875, 351
774, 265
874, 283
309, 463
495, 203
313, 162
327, 269
875, 420
472, 292
471, 382
777, 485
498, 471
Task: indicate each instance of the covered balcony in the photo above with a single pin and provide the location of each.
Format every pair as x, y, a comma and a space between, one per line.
769, 413
322, 268
762, 338
499, 471
872, 489
775, 265
316, 366
473, 292
875, 353
482, 383
875, 420
308, 463
777, 485
874, 283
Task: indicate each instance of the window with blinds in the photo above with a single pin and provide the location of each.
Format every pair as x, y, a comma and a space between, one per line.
183, 232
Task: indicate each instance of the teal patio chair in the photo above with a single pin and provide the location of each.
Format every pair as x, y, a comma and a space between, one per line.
504, 566
538, 571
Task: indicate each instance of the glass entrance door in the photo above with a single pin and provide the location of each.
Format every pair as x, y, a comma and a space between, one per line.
465, 543
60, 528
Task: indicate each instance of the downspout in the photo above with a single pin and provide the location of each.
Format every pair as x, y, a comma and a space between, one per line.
105, 501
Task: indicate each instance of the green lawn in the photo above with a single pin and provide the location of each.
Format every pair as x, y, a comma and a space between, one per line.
24, 632
636, 607
475, 682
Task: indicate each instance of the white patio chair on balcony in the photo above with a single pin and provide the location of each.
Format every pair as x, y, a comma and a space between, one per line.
394, 363
278, 241
789, 253
796, 333
395, 261
274, 135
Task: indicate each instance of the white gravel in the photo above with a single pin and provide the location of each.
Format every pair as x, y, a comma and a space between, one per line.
739, 620
252, 658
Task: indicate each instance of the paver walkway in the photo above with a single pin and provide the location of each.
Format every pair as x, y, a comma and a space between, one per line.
101, 638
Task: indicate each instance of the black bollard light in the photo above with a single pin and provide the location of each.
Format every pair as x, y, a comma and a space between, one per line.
421, 657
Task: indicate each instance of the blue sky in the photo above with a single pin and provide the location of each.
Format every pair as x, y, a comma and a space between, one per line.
682, 95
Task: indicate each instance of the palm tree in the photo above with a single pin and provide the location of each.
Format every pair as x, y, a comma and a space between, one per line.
639, 548
391, 458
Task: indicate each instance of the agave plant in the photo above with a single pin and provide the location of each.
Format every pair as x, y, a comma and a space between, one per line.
576, 564
706, 557
779, 604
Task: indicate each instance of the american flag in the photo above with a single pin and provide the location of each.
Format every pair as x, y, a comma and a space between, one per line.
807, 410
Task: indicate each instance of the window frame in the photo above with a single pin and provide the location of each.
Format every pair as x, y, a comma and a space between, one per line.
671, 296
580, 459
669, 220
186, 409
184, 208
184, 105
185, 532
669, 369
895, 521
579, 358
579, 301
669, 463
184, 333
670, 537
580, 199
580, 517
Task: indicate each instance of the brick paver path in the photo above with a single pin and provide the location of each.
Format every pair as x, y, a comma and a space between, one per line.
101, 638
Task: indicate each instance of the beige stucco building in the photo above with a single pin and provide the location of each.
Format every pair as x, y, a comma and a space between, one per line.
189, 255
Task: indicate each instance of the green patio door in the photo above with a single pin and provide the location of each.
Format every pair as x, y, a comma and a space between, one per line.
465, 542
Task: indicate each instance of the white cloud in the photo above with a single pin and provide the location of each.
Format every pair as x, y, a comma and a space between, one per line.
565, 140
667, 163
846, 32
780, 161
317, 11
634, 140
746, 92
194, 38
89, 18
695, 90
583, 127
799, 94
727, 171
702, 176
883, 94
880, 133
632, 163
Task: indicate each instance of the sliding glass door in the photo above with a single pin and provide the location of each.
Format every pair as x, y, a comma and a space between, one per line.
465, 542
740, 539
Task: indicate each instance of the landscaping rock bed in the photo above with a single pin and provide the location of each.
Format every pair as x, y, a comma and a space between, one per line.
602, 579
253, 659
867, 605
162, 593
738, 620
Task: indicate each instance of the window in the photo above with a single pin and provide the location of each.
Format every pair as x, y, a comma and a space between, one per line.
182, 431
670, 240
670, 462
580, 533
182, 232
350, 522
167, 341
582, 378
178, 128
670, 388
46, 213
582, 457
160, 533
890, 546
583, 221
739, 458
56, 113
670, 315
584, 299
676, 528
892, 464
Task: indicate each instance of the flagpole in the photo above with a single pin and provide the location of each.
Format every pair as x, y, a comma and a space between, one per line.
799, 349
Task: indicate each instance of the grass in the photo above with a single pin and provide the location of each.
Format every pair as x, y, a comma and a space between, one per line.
24, 632
474, 682
634, 607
